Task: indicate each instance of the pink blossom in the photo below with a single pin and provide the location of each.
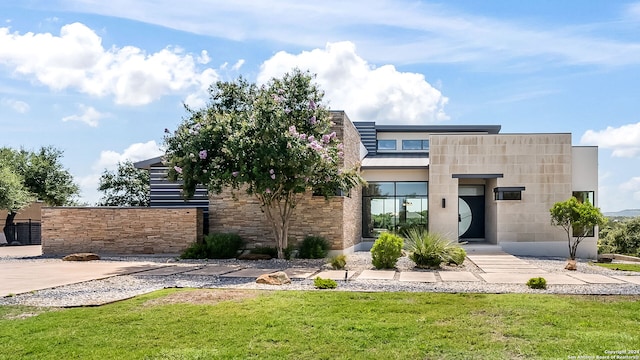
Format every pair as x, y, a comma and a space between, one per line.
273, 176
271, 171
303, 136
235, 174
326, 138
178, 169
340, 154
312, 105
311, 138
203, 154
312, 120
340, 146
332, 135
287, 110
267, 190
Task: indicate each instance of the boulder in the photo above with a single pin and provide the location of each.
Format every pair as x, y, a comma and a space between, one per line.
572, 265
276, 278
81, 257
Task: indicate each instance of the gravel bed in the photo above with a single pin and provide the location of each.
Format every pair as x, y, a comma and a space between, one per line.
121, 287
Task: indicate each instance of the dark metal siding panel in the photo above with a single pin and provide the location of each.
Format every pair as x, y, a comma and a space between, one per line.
367, 130
166, 193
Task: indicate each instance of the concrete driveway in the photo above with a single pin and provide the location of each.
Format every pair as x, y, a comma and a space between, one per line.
27, 275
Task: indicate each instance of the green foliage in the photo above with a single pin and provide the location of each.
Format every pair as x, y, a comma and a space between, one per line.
457, 254
215, 246
338, 262
265, 250
274, 141
321, 283
386, 251
620, 266
126, 186
537, 283
621, 237
313, 247
429, 249
42, 174
13, 195
577, 219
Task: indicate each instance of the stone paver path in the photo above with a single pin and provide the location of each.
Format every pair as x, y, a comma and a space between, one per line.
249, 273
214, 270
457, 276
167, 270
335, 274
418, 276
300, 273
377, 275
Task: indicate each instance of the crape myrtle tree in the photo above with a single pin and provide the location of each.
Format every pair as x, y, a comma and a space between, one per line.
125, 186
40, 174
273, 141
577, 219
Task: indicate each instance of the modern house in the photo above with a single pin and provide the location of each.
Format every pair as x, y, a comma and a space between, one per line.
470, 183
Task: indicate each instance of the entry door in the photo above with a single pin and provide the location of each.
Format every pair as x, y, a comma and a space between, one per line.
471, 212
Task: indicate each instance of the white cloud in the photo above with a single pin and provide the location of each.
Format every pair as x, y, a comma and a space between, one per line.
89, 115
237, 65
17, 105
76, 59
632, 186
109, 159
430, 32
623, 140
364, 91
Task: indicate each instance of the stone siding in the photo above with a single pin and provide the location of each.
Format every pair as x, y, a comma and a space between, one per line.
337, 219
110, 230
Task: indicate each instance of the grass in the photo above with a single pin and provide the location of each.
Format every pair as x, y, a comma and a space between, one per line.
618, 266
327, 325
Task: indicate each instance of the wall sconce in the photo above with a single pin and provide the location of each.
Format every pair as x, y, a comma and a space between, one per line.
444, 203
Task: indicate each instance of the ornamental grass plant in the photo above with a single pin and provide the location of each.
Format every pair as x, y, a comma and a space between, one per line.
429, 249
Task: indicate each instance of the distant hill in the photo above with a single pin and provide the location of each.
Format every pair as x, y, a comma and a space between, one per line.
623, 213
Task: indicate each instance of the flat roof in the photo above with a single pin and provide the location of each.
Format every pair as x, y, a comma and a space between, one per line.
490, 129
396, 162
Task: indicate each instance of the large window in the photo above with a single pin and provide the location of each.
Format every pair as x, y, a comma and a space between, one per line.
415, 144
386, 144
584, 196
394, 206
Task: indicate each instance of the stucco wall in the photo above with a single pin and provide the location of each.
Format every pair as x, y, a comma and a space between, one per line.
542, 163
336, 219
111, 230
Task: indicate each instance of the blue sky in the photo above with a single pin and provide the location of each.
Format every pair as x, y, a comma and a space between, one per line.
101, 80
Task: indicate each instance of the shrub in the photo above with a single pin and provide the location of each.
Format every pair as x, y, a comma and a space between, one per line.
457, 254
537, 283
223, 246
313, 247
339, 262
265, 250
321, 283
386, 251
215, 246
288, 251
429, 250
195, 251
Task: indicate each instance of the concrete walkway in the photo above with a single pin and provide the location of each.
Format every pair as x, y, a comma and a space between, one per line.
27, 274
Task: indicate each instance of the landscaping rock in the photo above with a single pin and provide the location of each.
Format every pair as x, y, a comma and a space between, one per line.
571, 265
276, 278
81, 257
251, 256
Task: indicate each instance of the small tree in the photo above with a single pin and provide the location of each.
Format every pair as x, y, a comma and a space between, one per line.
126, 186
577, 219
274, 141
40, 174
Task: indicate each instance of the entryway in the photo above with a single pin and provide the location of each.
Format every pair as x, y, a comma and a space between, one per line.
471, 213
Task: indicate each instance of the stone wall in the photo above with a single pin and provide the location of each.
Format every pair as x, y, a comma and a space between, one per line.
337, 219
111, 230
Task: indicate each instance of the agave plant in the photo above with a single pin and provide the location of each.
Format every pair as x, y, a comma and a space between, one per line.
429, 250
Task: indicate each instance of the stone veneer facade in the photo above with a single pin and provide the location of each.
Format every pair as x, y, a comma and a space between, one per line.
111, 230
336, 219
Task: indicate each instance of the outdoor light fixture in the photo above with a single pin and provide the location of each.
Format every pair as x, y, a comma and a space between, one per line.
444, 203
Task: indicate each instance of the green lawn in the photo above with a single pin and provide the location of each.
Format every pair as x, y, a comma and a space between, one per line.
326, 325
618, 266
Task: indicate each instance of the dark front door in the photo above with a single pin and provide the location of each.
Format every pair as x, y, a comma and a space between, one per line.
471, 217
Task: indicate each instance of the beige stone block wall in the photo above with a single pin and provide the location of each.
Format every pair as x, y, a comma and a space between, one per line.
337, 219
542, 163
111, 230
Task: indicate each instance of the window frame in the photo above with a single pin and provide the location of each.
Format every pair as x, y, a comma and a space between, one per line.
508, 193
388, 141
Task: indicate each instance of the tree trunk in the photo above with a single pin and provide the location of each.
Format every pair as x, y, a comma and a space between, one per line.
9, 232
279, 215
